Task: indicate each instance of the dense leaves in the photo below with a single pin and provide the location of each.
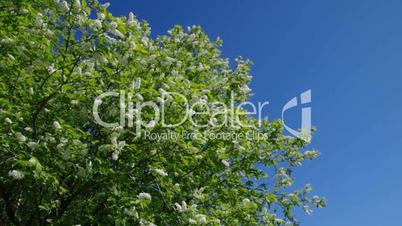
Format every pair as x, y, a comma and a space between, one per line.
58, 166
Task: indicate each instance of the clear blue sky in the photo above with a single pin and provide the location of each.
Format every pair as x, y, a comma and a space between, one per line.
349, 53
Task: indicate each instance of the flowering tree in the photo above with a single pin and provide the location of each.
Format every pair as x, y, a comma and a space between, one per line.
58, 166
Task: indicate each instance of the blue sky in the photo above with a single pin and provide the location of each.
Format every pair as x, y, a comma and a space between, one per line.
349, 53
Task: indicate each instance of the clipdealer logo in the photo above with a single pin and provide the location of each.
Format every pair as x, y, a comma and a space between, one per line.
130, 112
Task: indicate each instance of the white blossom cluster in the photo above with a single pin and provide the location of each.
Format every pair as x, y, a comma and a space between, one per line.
69, 52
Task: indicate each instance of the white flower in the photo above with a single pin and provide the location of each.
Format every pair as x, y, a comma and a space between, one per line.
77, 142
115, 156
130, 19
23, 11
118, 146
79, 70
136, 84
28, 129
33, 145
100, 16
245, 89
7, 41
77, 4
144, 41
144, 195
8, 120
89, 65
48, 32
162, 91
102, 59
118, 33
74, 102
52, 139
97, 24
226, 163
307, 209
161, 172
113, 25
247, 203
33, 161
64, 6
131, 212
110, 39
11, 57
56, 125
178, 207
132, 45
31, 90
139, 97
20, 137
146, 223
279, 221
15, 174
60, 146
192, 221
282, 172
311, 154
201, 219
118, 128
113, 139
39, 20
51, 69
308, 188
184, 205
198, 193
239, 147
287, 182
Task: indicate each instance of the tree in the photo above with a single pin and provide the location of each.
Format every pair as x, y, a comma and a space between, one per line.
59, 166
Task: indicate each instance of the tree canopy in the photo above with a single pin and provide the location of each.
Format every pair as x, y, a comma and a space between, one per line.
59, 166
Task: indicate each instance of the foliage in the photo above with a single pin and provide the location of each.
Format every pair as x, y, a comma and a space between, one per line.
59, 167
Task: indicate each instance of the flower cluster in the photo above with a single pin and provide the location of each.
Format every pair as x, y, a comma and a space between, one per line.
60, 55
